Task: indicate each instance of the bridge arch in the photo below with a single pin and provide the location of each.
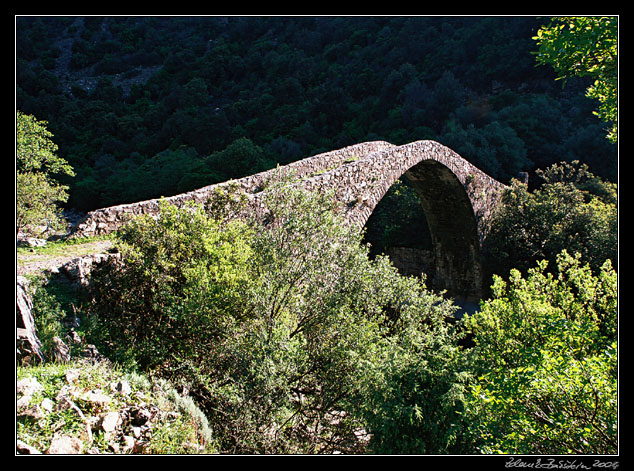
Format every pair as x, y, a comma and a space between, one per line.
457, 199
452, 226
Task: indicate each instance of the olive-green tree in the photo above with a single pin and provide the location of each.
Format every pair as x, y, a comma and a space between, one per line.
412, 393
37, 193
277, 329
366, 335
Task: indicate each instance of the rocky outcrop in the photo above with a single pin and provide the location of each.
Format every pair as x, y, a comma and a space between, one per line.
110, 418
111, 412
78, 269
28, 345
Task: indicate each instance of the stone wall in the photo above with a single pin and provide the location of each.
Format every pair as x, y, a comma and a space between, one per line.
412, 262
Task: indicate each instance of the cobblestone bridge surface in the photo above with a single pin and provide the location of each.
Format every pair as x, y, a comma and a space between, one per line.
457, 197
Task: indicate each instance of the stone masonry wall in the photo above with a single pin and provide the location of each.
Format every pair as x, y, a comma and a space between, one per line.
106, 220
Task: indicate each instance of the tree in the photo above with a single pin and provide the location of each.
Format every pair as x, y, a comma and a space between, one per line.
241, 157
545, 357
37, 193
572, 209
585, 47
411, 394
495, 147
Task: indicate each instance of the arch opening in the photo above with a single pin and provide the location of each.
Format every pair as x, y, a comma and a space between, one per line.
449, 249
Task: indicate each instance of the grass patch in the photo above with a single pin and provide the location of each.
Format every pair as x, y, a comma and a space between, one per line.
64, 248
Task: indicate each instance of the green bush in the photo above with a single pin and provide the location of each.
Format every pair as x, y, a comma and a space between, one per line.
278, 331
48, 315
178, 290
412, 393
546, 361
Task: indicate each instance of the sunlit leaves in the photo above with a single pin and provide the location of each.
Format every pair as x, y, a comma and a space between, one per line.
585, 47
37, 166
546, 349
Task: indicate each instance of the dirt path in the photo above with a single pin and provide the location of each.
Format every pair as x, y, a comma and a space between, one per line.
39, 260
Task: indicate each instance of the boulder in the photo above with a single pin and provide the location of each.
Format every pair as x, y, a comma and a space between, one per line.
110, 421
28, 386
24, 449
65, 445
78, 269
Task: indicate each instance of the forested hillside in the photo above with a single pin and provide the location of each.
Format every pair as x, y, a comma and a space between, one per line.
143, 107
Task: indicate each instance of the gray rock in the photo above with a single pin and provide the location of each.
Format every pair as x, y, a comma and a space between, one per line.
139, 416
28, 386
47, 405
110, 421
123, 387
24, 449
61, 352
65, 403
97, 398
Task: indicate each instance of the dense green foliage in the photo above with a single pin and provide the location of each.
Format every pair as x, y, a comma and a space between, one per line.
184, 276
143, 107
571, 209
546, 360
586, 46
291, 339
288, 336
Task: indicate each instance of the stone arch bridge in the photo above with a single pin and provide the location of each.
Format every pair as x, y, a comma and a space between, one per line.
457, 198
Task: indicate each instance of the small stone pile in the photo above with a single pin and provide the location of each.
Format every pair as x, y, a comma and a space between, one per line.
121, 418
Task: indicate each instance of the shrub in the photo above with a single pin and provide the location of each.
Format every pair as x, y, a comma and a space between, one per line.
572, 209
546, 362
177, 291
